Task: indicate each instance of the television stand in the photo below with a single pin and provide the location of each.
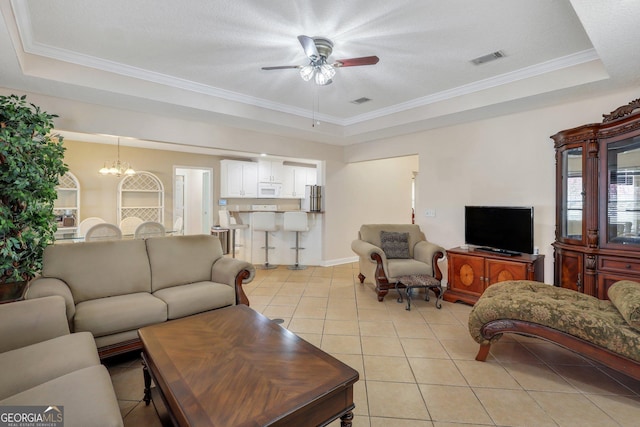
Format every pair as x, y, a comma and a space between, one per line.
471, 271
498, 251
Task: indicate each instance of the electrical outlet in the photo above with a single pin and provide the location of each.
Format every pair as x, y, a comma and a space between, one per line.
430, 212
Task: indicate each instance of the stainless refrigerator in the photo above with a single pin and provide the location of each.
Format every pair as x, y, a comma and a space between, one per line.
313, 198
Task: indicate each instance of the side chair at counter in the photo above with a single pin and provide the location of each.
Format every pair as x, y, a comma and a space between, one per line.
226, 221
265, 221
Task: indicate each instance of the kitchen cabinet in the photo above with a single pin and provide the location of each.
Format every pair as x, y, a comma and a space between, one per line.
296, 178
238, 179
270, 171
471, 272
597, 238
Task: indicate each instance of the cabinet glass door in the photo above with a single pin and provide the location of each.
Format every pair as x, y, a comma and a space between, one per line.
572, 200
623, 192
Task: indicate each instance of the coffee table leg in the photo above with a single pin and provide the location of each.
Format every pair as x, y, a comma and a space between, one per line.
147, 383
345, 420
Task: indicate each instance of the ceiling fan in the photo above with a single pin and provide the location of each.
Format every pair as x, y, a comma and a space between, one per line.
318, 49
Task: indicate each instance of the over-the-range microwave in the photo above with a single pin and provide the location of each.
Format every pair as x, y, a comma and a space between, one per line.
269, 191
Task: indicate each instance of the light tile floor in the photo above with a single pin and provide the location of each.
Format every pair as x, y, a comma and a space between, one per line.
417, 367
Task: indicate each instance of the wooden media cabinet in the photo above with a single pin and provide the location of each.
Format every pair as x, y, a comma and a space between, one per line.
471, 271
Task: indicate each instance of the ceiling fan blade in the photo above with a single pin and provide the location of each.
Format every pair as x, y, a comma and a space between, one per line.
354, 62
281, 67
309, 47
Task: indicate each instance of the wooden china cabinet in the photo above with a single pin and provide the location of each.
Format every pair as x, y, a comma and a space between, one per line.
598, 203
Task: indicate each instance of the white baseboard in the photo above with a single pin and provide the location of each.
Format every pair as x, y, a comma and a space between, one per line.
338, 261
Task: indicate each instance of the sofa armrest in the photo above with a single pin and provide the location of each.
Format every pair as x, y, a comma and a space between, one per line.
23, 323
365, 250
47, 286
233, 272
429, 253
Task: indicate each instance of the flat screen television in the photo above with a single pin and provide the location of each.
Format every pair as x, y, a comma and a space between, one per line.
506, 228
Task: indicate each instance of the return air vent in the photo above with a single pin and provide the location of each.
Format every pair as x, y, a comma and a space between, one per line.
360, 100
488, 58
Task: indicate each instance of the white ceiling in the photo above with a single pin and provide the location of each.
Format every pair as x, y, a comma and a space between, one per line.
202, 59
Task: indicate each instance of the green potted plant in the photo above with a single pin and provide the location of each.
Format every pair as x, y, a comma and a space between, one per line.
31, 162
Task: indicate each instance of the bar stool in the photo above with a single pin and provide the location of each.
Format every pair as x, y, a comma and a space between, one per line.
265, 221
226, 222
296, 221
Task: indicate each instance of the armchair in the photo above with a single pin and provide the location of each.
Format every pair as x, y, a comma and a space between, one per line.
406, 252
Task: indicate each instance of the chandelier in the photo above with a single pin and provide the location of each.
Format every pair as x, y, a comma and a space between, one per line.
117, 167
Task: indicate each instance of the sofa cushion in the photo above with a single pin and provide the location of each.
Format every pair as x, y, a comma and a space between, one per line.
195, 298
394, 244
87, 397
625, 296
104, 316
406, 267
27, 322
29, 366
99, 269
371, 233
177, 260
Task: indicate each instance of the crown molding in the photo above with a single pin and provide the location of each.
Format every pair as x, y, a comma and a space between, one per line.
21, 13
521, 74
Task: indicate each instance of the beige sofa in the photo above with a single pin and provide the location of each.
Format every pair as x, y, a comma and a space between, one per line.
113, 288
380, 266
42, 364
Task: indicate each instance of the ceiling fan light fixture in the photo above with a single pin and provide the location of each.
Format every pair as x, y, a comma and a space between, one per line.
307, 72
327, 70
318, 50
322, 79
324, 74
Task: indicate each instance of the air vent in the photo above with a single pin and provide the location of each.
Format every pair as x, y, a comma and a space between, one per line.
488, 58
360, 100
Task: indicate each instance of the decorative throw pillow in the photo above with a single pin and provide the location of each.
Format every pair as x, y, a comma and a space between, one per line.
395, 245
625, 296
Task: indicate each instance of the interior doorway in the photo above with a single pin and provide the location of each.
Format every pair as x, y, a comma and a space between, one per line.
193, 199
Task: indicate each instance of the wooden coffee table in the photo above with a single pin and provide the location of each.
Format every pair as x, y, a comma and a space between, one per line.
235, 367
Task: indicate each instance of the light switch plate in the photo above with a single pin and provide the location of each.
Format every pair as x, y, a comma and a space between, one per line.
430, 212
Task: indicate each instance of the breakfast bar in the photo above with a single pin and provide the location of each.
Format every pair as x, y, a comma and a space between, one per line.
281, 241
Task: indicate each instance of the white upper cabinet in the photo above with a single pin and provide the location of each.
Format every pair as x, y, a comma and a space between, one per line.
238, 179
270, 171
296, 178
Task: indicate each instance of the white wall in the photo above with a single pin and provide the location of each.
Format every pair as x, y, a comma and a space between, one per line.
507, 160
377, 192
504, 160
193, 180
